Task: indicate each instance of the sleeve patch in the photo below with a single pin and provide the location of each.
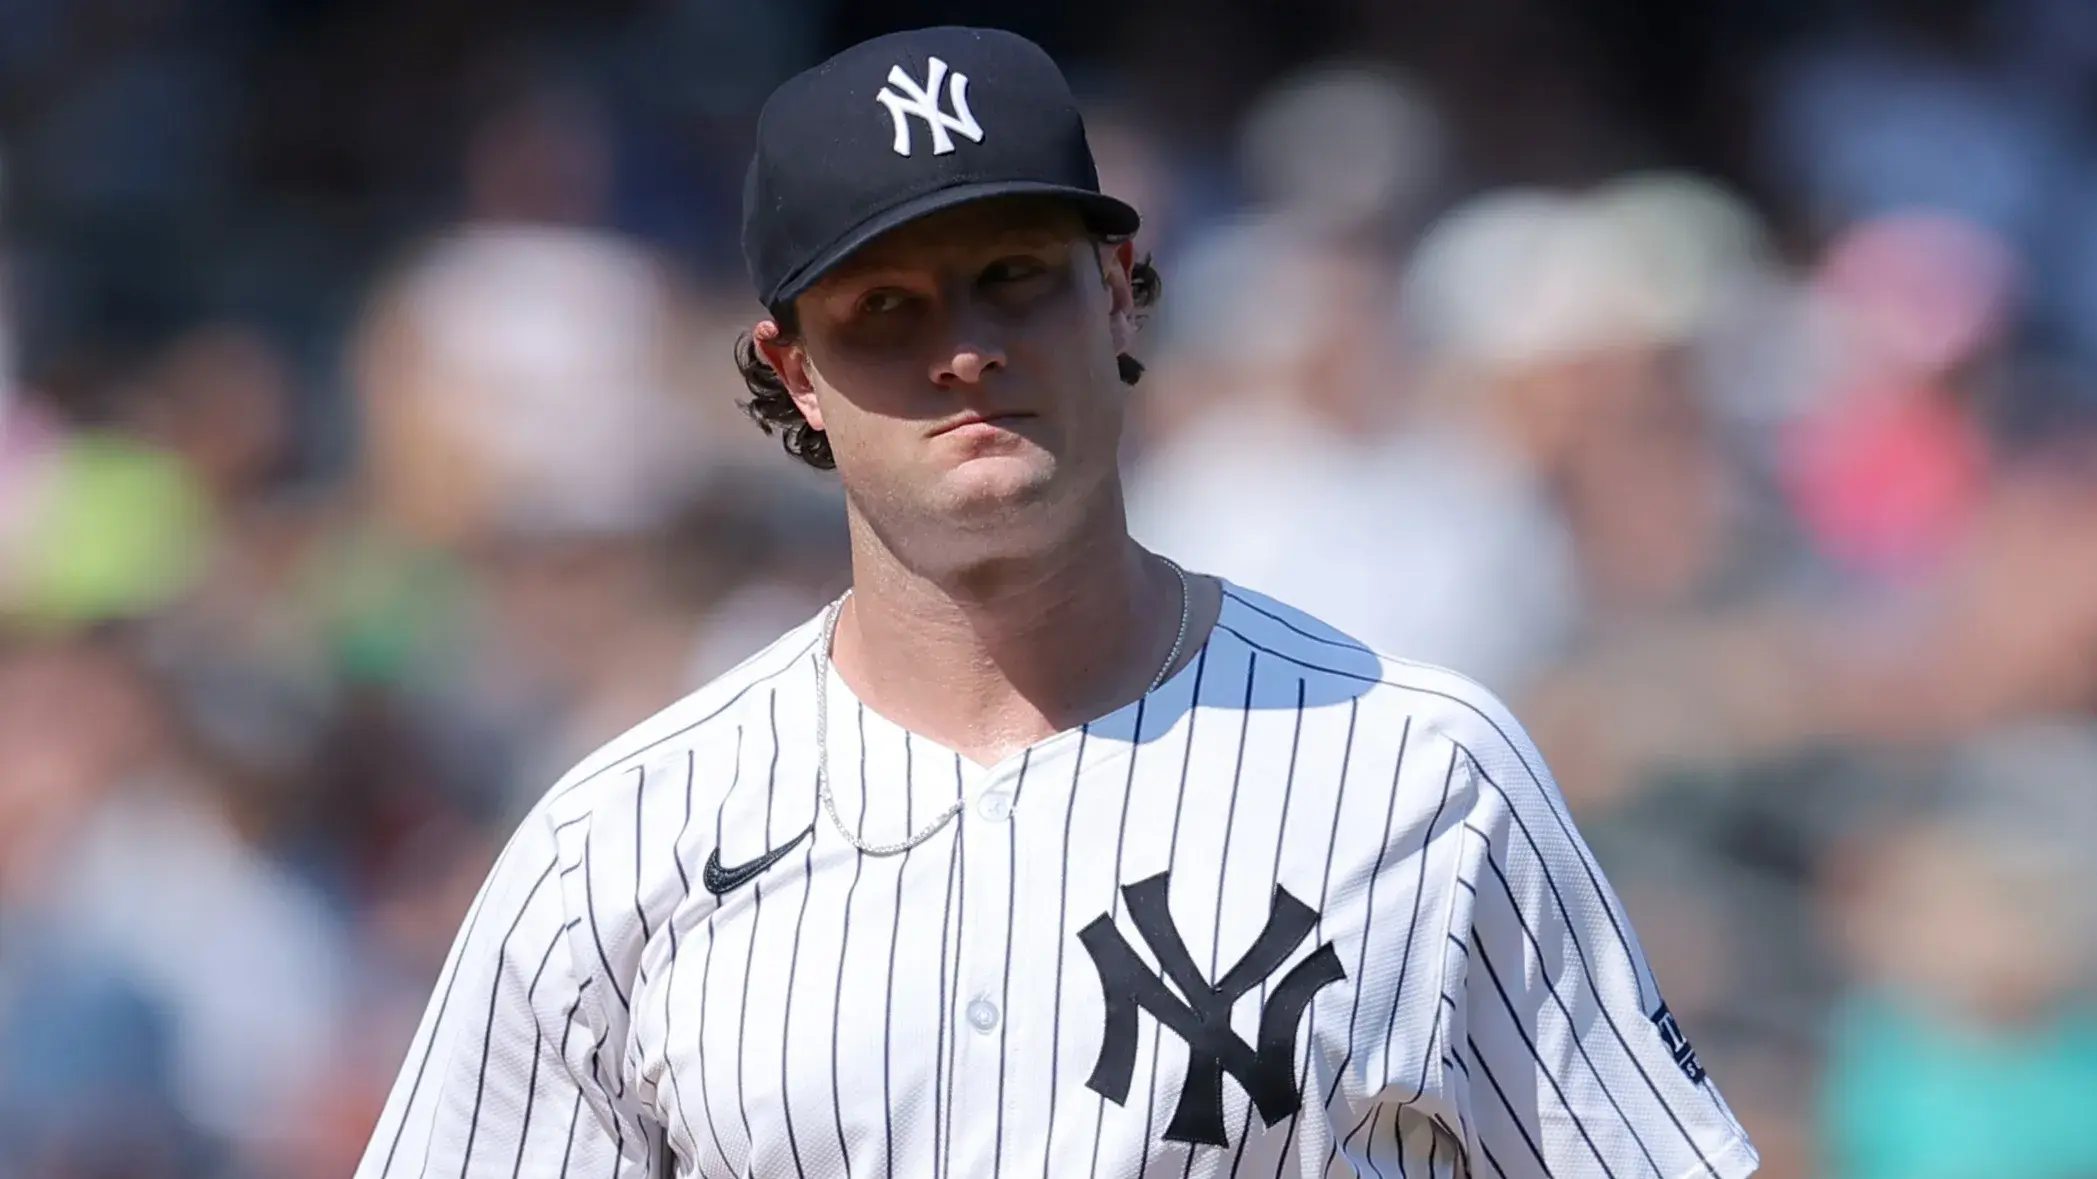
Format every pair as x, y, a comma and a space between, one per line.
1678, 1045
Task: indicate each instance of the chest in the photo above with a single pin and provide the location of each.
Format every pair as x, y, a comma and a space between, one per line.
1098, 966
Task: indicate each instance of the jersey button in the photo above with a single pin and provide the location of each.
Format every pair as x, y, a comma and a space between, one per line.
983, 1015
995, 806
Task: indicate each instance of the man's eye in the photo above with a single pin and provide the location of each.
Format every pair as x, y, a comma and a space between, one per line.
882, 302
1013, 270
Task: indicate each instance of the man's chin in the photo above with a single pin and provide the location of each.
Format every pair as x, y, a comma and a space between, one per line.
992, 486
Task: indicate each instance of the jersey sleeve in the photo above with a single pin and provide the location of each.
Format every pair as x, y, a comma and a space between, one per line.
512, 1071
1560, 1056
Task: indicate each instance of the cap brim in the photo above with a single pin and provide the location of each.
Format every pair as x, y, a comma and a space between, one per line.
1102, 213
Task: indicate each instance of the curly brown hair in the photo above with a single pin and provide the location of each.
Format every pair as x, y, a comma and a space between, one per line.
772, 407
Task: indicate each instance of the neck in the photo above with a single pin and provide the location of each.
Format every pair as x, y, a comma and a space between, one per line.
980, 655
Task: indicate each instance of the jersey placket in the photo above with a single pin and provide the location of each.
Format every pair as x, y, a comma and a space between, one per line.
981, 981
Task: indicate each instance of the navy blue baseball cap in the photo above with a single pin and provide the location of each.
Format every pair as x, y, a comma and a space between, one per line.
902, 126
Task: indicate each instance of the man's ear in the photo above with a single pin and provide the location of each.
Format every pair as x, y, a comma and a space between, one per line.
790, 361
1117, 263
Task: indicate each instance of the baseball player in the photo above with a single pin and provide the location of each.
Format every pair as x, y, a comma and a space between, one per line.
1034, 854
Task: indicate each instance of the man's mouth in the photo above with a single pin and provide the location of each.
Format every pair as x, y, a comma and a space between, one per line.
976, 421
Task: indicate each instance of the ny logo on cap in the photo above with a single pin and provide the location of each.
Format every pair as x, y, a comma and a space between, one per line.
923, 101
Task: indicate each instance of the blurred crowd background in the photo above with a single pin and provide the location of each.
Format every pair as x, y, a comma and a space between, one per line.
1716, 381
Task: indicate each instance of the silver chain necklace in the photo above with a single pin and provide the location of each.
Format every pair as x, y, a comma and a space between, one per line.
946, 816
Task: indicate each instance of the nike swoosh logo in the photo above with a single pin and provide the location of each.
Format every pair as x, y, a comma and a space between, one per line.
721, 881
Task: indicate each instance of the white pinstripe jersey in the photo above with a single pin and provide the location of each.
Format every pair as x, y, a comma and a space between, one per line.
1302, 911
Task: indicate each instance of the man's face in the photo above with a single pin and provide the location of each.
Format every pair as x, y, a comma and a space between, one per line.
964, 366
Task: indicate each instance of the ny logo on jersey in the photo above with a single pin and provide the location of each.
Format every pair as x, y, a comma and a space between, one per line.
1203, 1018
923, 101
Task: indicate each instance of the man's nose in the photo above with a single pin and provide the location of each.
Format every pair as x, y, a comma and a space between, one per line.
974, 348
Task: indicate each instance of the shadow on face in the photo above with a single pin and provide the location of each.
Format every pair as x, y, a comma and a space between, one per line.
964, 366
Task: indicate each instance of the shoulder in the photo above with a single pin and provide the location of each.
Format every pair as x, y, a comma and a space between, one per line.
614, 839
1390, 688
693, 736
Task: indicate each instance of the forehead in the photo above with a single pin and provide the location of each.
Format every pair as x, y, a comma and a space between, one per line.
966, 231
